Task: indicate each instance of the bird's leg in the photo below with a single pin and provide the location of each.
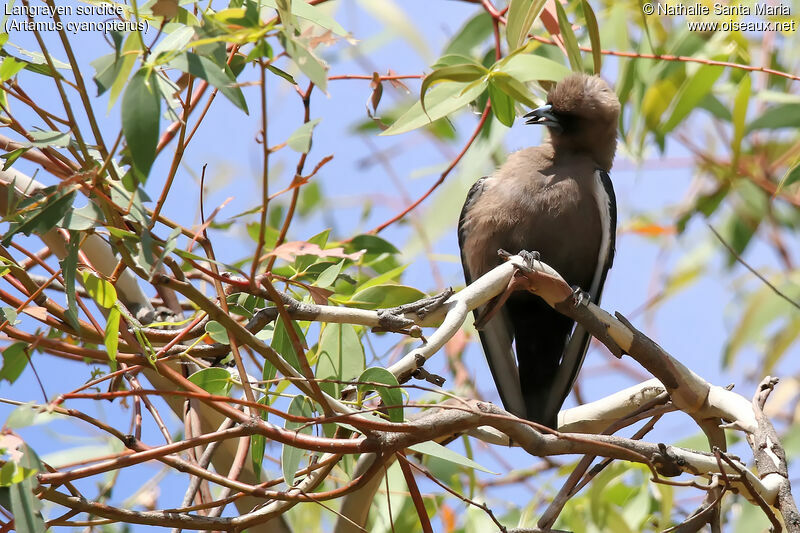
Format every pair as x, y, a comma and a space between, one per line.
530, 257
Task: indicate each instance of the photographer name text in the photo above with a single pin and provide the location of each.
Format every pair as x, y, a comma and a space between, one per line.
742, 10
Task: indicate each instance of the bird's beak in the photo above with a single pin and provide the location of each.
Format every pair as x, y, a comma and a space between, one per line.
544, 115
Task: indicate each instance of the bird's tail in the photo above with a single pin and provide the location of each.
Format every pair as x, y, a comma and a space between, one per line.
540, 335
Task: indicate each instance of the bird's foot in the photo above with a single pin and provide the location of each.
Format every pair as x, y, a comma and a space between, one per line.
580, 296
530, 258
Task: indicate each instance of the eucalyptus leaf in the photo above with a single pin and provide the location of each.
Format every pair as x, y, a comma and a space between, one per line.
440, 101
291, 456
141, 112
213, 380
300, 140
521, 16
220, 77
391, 395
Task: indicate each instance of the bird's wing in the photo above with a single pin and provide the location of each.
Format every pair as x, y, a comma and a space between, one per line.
578, 343
497, 334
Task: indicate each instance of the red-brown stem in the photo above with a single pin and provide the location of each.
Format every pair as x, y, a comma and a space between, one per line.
306, 97
443, 176
413, 489
262, 228
173, 128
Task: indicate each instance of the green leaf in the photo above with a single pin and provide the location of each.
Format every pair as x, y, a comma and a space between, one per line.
141, 111
656, 99
219, 77
385, 278
12, 156
15, 359
25, 507
521, 16
470, 36
9, 314
258, 443
217, 332
308, 12
291, 456
42, 217
87, 217
9, 68
106, 70
502, 105
739, 114
101, 291
391, 395
130, 51
283, 74
307, 62
777, 117
173, 43
372, 244
692, 91
30, 415
111, 336
282, 343
300, 140
340, 356
570, 42
594, 35
466, 72
69, 266
435, 449
761, 309
213, 380
440, 101
43, 139
529, 67
513, 88
329, 275
792, 176
383, 296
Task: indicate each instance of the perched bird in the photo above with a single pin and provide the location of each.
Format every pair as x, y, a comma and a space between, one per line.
556, 199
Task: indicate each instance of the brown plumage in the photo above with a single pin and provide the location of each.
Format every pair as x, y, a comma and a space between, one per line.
556, 199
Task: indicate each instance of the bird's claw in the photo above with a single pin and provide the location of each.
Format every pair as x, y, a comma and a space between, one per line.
529, 258
580, 296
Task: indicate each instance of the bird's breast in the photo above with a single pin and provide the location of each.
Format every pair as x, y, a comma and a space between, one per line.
555, 215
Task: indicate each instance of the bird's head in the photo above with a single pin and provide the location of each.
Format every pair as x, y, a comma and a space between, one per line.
581, 113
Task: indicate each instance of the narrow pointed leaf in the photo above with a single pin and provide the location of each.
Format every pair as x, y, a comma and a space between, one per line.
693, 90
502, 105
141, 112
391, 395
513, 88
441, 101
521, 16
740, 102
466, 72
219, 77
213, 380
111, 336
594, 35
570, 42
291, 456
